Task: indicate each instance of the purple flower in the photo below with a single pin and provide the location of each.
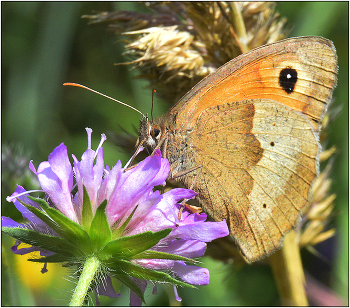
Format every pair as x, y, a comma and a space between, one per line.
116, 216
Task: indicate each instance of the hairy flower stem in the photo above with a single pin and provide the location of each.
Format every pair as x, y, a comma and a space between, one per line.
288, 271
90, 269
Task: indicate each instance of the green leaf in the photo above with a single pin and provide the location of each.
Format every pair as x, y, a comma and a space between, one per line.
68, 229
128, 246
47, 242
87, 214
100, 232
137, 271
150, 254
117, 232
125, 279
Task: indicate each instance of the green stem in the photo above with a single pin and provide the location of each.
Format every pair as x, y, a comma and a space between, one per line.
90, 269
288, 271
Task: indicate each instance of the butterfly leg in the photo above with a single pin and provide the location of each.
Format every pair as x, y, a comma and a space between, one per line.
192, 208
162, 145
139, 145
137, 151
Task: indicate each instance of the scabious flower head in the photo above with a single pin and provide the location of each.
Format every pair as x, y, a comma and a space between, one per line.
116, 217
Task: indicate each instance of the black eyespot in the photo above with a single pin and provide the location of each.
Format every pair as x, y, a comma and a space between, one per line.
288, 78
264, 205
272, 143
155, 131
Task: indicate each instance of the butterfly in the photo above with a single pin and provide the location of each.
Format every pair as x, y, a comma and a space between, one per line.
246, 138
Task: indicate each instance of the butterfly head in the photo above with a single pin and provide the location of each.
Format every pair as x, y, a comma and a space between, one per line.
150, 134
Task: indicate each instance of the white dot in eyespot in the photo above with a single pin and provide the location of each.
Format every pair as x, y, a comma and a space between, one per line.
289, 76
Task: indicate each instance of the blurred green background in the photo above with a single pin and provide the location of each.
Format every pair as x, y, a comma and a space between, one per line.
45, 44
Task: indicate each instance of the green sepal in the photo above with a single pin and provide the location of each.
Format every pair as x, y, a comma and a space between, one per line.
123, 267
100, 232
126, 280
128, 246
151, 254
86, 214
68, 229
117, 232
43, 241
44, 217
43, 204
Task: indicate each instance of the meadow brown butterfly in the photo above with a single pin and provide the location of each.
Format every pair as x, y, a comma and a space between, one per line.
246, 138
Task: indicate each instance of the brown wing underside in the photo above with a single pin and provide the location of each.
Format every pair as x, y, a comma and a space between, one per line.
258, 161
257, 142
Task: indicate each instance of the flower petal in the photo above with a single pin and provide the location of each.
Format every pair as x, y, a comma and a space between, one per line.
191, 274
56, 179
110, 182
24, 250
106, 288
134, 184
134, 299
165, 214
142, 213
24, 211
89, 175
204, 231
10, 223
62, 167
176, 294
181, 247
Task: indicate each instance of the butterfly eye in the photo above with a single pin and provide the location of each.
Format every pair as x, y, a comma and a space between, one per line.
155, 132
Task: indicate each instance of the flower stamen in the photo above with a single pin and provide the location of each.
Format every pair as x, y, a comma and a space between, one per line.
11, 198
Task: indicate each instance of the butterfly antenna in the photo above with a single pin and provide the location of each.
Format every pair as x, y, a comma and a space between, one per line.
113, 99
153, 91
